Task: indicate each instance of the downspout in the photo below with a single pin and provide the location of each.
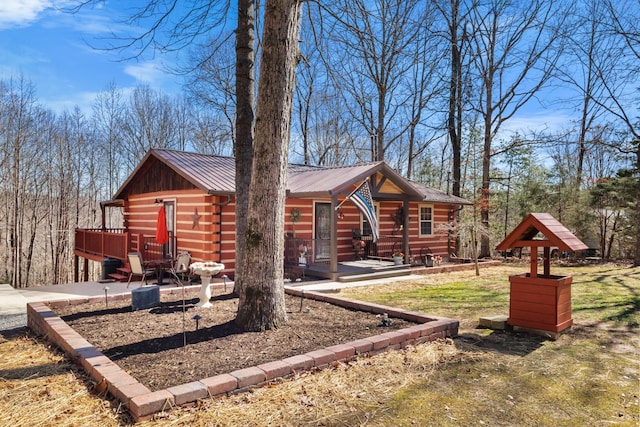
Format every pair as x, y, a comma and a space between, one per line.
405, 230
221, 205
333, 262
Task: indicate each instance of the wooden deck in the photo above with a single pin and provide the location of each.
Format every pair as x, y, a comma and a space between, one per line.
355, 270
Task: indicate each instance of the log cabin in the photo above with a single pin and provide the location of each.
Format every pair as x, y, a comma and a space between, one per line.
324, 230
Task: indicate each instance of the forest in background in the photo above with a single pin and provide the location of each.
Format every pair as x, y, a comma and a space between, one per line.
430, 87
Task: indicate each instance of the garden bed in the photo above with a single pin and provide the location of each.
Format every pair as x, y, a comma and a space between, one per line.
150, 369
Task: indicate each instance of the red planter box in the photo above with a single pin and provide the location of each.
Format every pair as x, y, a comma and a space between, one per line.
542, 303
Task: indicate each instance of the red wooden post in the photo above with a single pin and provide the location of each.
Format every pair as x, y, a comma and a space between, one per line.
534, 262
547, 261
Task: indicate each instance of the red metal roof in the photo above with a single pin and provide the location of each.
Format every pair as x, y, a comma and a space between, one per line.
542, 223
216, 175
436, 196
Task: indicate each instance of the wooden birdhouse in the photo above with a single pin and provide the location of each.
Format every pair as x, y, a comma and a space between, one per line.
541, 302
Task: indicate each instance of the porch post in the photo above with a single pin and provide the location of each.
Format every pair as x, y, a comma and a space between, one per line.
86, 269
76, 269
333, 253
405, 230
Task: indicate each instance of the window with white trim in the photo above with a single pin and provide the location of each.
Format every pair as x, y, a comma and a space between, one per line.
364, 224
425, 215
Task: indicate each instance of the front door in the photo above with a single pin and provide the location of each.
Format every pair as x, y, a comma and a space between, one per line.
322, 231
169, 250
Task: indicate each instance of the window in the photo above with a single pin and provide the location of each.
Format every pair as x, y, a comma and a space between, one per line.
365, 226
426, 220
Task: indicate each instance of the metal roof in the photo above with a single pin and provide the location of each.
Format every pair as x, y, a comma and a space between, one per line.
213, 174
314, 182
216, 175
432, 195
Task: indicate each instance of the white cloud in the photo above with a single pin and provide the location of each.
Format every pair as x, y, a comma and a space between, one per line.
148, 72
21, 12
82, 100
537, 122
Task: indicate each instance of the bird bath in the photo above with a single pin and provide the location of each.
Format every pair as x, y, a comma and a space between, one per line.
205, 270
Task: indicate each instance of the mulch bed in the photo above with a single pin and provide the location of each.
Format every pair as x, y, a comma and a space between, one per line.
149, 344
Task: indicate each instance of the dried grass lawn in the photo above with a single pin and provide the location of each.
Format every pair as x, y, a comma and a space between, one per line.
589, 376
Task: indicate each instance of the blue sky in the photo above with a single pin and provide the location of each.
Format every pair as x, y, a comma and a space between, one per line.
52, 49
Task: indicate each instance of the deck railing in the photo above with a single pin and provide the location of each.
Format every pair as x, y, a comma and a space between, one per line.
299, 251
315, 251
383, 248
99, 243
150, 249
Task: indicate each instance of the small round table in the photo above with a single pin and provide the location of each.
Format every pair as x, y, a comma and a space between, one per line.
205, 270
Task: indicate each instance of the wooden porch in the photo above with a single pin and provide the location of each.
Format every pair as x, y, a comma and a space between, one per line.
303, 257
311, 257
98, 244
352, 271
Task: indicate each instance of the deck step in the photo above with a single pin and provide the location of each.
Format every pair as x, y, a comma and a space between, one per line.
380, 274
118, 277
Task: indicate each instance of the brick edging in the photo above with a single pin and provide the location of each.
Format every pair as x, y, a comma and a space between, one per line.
144, 403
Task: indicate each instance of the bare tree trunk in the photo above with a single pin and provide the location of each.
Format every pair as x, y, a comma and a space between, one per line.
508, 84
636, 259
485, 249
245, 95
454, 113
261, 305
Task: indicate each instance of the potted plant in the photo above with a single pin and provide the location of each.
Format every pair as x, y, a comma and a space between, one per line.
398, 258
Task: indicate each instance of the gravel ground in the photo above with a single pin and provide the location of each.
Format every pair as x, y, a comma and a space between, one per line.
12, 321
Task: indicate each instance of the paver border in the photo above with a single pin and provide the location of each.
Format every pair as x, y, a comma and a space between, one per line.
144, 403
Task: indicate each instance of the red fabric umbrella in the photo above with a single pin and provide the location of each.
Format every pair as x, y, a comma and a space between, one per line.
162, 234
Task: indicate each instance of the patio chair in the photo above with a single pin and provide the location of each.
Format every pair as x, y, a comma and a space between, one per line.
181, 266
137, 268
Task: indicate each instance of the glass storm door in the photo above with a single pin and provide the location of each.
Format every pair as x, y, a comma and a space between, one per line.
322, 231
170, 249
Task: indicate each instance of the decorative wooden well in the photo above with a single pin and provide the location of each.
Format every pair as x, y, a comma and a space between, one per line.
541, 302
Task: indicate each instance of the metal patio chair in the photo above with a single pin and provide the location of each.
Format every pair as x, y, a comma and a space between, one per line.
181, 266
136, 265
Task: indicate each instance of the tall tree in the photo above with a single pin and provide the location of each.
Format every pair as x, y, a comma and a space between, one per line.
513, 59
326, 135
149, 124
261, 305
613, 199
245, 98
425, 88
454, 14
24, 123
212, 83
376, 48
591, 59
108, 117
620, 95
